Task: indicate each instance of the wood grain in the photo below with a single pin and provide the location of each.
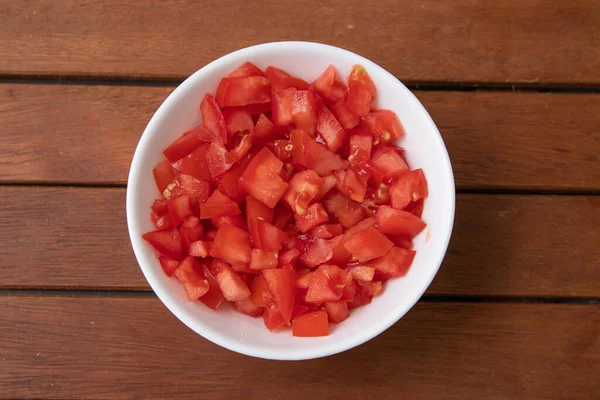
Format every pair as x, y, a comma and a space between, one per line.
498, 140
106, 348
533, 41
502, 244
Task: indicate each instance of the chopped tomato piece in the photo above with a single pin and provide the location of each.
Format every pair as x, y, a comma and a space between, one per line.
229, 181
303, 188
261, 295
243, 147
167, 243
304, 111
327, 284
248, 307
241, 91
312, 155
230, 283
329, 128
218, 159
194, 164
319, 251
246, 69
387, 164
282, 149
327, 231
269, 236
411, 186
328, 87
299, 310
359, 148
402, 242
328, 184
398, 222
311, 324
159, 207
361, 91
218, 205
416, 207
337, 311
256, 210
362, 273
272, 317
179, 209
232, 245
367, 244
282, 284
315, 215
281, 80
163, 222
192, 276
212, 117
303, 282
354, 183
238, 120
384, 124
281, 107
168, 265
263, 259
191, 231
282, 215
235, 220
263, 130
197, 189
261, 179
348, 212
200, 248
163, 175
344, 115
289, 257
214, 296
181, 147
394, 263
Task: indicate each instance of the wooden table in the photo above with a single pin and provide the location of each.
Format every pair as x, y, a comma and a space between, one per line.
514, 87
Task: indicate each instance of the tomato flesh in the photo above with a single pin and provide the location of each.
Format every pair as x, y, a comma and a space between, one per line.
304, 111
303, 188
367, 244
163, 175
230, 283
182, 147
194, 164
328, 87
311, 324
281, 80
218, 205
232, 245
191, 275
282, 285
315, 215
312, 155
329, 128
409, 187
261, 179
243, 90
212, 117
398, 222
394, 263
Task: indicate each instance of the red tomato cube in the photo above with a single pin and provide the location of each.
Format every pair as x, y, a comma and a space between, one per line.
232, 245
398, 222
218, 205
367, 244
263, 259
282, 285
243, 90
411, 186
163, 175
168, 243
315, 215
262, 180
192, 276
230, 283
213, 118
337, 311
311, 324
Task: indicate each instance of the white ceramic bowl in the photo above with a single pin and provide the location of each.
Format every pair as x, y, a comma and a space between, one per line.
424, 148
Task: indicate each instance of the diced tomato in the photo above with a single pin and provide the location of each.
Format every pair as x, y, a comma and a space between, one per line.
246, 69
281, 80
289, 257
261, 295
269, 236
327, 231
367, 244
191, 230
232, 245
362, 273
281, 107
159, 207
248, 307
230, 283
191, 275
263, 130
319, 251
337, 311
218, 159
167, 243
241, 91
304, 111
218, 205
328, 184
213, 118
402, 242
235, 220
329, 128
311, 324
163, 175
303, 188
299, 310
179, 209
214, 296
327, 284
394, 263
263, 259
243, 147
210, 234
398, 222
282, 284
387, 164
328, 87
411, 186
261, 179
315, 215
360, 145
348, 212
354, 183
200, 248
282, 215
272, 317
229, 181
238, 120
194, 164
361, 91
197, 189
303, 282
282, 149
168, 265
312, 155
182, 146
256, 210
344, 115
163, 222
384, 124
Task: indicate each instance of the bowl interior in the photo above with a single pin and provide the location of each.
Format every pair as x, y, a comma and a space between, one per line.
424, 149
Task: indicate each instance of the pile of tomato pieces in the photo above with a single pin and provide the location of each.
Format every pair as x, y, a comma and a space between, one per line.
289, 200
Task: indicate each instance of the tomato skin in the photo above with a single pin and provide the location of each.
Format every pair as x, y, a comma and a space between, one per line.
231, 284
312, 155
411, 186
168, 243
304, 111
395, 263
384, 124
163, 175
238, 120
398, 222
194, 164
281, 80
282, 285
329, 128
263, 130
232, 245
344, 115
367, 244
218, 159
303, 188
311, 324
261, 295
168, 265
218, 205
246, 69
243, 90
328, 87
261, 179
272, 317
212, 117
182, 146
214, 296
337, 311
263, 259
281, 108
347, 211
270, 237
191, 275
248, 307
315, 215
179, 209
386, 164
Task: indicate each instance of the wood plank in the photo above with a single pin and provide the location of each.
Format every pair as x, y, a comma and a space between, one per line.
106, 348
533, 41
503, 245
492, 142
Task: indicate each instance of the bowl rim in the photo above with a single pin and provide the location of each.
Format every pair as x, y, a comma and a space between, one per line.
196, 325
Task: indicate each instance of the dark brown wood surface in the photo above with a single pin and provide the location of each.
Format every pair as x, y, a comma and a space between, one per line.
502, 245
107, 348
499, 140
532, 41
